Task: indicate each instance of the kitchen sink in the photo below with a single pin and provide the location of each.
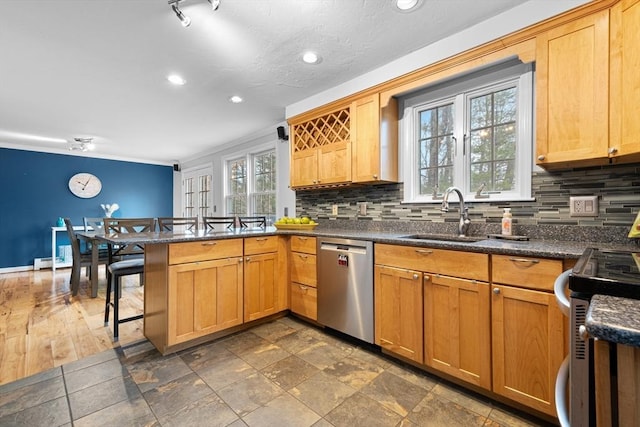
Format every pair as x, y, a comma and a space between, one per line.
445, 237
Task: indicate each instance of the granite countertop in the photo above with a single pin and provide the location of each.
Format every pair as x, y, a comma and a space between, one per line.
540, 248
614, 319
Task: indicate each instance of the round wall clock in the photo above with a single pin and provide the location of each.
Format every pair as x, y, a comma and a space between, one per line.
85, 185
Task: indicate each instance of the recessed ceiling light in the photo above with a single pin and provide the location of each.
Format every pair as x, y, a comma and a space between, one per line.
311, 58
236, 99
176, 79
406, 4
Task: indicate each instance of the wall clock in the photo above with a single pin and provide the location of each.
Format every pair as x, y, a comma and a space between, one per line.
85, 185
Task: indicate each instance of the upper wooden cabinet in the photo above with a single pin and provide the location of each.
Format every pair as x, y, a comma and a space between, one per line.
321, 150
354, 143
374, 136
625, 81
572, 93
588, 89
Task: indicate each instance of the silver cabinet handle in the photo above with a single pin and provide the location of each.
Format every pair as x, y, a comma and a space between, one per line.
209, 243
303, 256
304, 288
302, 238
496, 291
260, 239
375, 176
415, 276
530, 261
613, 150
541, 157
248, 259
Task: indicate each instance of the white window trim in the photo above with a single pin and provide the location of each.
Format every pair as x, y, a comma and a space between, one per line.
194, 172
464, 89
246, 154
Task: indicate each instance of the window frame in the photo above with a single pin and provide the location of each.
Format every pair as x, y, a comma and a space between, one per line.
459, 91
248, 156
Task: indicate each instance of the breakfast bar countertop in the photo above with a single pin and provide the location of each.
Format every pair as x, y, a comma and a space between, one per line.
614, 319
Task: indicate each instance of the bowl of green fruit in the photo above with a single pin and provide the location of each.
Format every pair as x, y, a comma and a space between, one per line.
295, 223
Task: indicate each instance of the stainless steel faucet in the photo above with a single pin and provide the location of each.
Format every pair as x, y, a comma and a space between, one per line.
463, 225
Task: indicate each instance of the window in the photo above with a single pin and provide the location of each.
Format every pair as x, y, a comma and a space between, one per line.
473, 133
251, 185
196, 192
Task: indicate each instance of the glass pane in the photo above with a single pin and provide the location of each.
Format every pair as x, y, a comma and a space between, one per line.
445, 178
445, 151
435, 147
445, 119
480, 113
427, 124
481, 174
505, 105
504, 175
505, 144
481, 149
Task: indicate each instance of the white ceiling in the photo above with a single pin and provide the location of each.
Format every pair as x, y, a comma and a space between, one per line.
97, 68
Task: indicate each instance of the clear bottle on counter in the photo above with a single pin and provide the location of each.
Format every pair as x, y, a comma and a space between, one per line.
506, 222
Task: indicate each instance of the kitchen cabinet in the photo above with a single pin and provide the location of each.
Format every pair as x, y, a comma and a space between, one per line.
418, 291
264, 290
374, 140
398, 311
617, 384
528, 329
457, 328
625, 81
572, 92
321, 150
303, 276
204, 295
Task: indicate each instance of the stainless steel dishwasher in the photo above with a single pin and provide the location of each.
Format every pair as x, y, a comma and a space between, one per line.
345, 286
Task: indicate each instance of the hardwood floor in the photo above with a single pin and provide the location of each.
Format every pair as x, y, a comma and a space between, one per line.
42, 326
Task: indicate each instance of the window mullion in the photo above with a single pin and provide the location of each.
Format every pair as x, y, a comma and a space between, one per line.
461, 156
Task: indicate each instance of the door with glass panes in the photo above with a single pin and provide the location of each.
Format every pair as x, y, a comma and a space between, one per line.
197, 193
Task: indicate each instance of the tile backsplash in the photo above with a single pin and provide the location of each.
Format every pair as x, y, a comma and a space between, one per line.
617, 188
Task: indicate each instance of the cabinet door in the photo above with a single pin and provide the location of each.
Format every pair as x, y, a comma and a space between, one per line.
261, 290
304, 168
365, 137
528, 345
204, 297
625, 79
398, 311
457, 328
572, 91
334, 163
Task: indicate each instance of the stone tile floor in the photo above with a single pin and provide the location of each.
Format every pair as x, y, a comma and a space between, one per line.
281, 373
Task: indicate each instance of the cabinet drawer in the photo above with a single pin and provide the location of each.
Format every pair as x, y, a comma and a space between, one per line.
303, 269
260, 245
468, 265
180, 253
304, 244
526, 272
304, 300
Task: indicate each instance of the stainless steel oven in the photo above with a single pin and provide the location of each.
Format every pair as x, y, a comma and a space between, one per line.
596, 272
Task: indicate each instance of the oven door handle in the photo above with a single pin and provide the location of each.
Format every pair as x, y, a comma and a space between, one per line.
562, 380
559, 288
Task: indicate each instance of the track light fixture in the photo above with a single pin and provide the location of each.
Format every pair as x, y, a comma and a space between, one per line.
184, 19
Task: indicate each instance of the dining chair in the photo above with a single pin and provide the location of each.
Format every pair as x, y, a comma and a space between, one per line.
124, 260
253, 221
211, 221
93, 224
80, 258
178, 224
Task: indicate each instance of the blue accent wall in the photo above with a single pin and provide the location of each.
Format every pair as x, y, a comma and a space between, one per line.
34, 192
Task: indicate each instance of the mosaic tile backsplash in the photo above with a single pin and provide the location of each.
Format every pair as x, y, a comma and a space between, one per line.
547, 217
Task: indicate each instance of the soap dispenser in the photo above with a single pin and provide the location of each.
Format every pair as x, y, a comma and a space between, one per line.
506, 222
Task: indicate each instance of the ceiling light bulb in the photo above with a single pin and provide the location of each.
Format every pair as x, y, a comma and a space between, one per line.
215, 4
236, 99
310, 57
176, 79
184, 19
406, 4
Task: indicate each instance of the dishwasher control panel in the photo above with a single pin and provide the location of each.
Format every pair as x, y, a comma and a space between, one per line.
343, 260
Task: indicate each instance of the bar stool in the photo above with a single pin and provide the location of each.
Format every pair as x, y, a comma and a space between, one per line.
124, 260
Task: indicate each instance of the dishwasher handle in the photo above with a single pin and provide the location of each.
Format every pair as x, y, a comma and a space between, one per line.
336, 247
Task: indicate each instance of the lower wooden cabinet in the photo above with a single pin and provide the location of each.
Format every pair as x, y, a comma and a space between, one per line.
398, 311
457, 328
205, 297
304, 300
529, 343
